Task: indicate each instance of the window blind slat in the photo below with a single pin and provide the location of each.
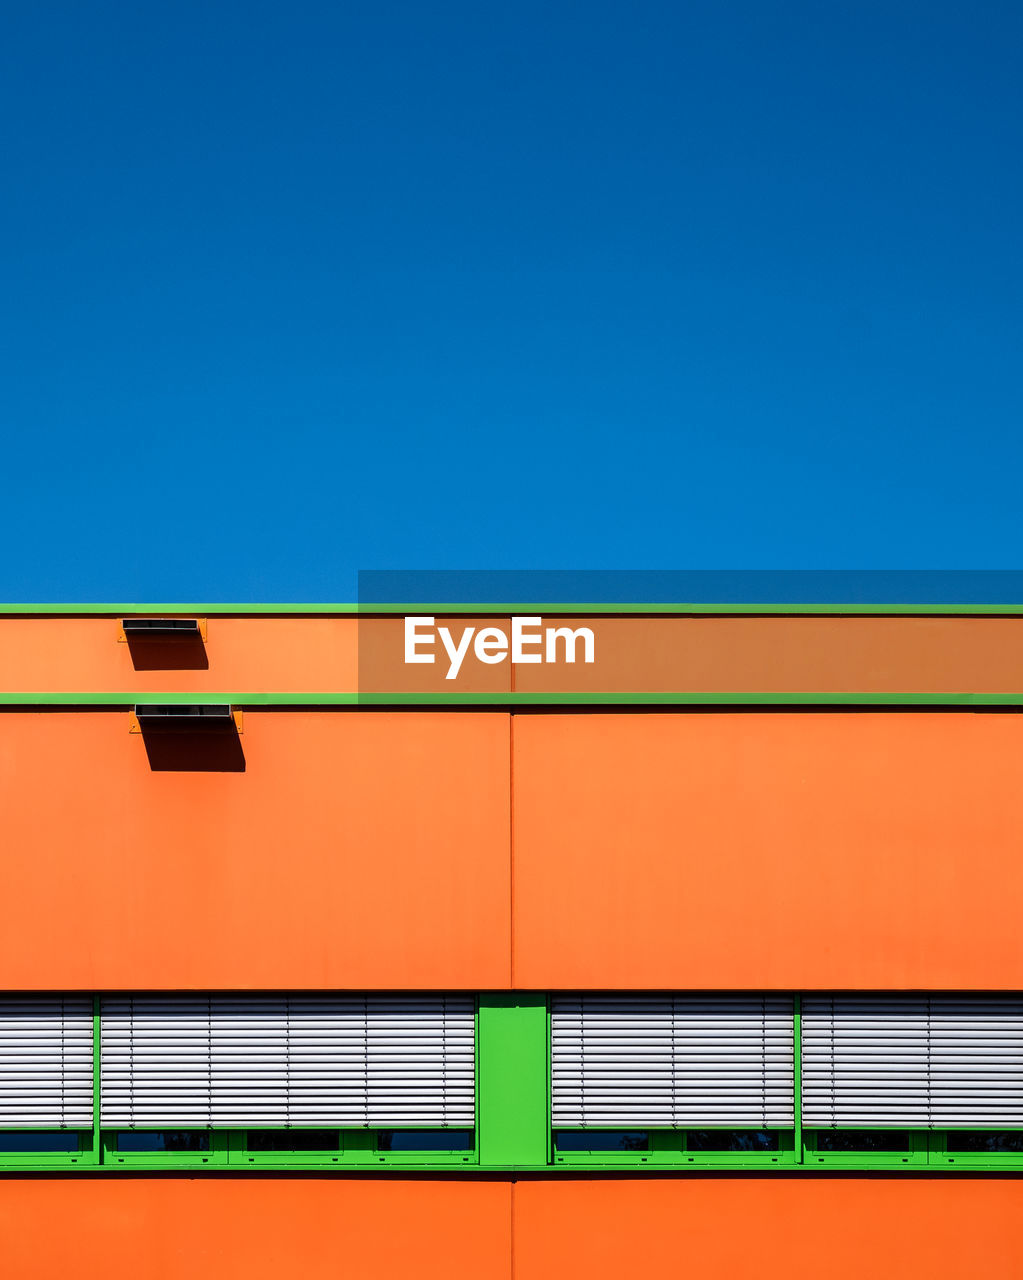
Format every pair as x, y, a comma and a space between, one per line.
46, 1062
688, 1060
282, 1060
934, 1061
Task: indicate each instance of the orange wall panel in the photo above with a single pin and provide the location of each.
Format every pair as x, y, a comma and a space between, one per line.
791, 1228
784, 654
355, 850
216, 1228
781, 849
245, 655
267, 654
211, 1228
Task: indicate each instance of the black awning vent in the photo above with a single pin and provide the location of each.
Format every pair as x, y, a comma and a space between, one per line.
162, 628
196, 717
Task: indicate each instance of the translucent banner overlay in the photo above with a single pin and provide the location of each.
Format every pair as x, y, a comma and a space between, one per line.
546, 652
725, 587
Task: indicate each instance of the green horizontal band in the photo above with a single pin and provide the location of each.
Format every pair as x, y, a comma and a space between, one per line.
516, 699
321, 610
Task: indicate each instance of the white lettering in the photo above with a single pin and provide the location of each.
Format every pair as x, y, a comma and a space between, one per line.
413, 640
529, 643
571, 639
491, 645
521, 637
455, 653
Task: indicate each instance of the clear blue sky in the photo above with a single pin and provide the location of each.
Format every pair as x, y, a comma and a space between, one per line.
290, 290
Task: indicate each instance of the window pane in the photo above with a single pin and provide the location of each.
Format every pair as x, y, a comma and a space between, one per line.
423, 1140
994, 1142
165, 1140
732, 1140
292, 1140
42, 1142
594, 1140
862, 1140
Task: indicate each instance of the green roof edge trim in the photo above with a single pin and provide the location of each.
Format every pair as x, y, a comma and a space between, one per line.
315, 610
517, 699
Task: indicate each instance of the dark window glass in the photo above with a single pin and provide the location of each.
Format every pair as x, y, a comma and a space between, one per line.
862, 1140
732, 1140
594, 1140
292, 1140
993, 1142
41, 1142
165, 1140
423, 1140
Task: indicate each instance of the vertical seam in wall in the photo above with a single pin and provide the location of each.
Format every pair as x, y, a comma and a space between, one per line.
511, 849
511, 1230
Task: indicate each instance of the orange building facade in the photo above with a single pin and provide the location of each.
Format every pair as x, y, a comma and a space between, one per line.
793, 810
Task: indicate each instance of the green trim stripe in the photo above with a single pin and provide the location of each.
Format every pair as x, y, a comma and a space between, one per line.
799, 698
518, 607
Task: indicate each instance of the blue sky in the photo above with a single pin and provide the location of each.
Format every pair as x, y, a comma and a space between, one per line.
295, 290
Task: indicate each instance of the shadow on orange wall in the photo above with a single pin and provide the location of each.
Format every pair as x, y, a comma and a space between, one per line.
168, 653
211, 750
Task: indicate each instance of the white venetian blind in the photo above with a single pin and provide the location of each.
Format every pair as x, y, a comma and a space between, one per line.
323, 1060
946, 1061
620, 1061
46, 1062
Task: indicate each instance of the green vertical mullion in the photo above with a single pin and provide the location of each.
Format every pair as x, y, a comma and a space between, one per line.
512, 1123
97, 1146
797, 1077
549, 1101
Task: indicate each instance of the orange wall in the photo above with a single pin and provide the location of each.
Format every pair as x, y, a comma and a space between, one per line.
321, 654
605, 1229
772, 849
245, 655
379, 850
817, 654
356, 850
211, 1228
385, 850
734, 1227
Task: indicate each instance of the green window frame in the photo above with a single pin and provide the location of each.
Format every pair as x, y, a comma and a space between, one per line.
357, 1148
514, 1130
799, 1148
